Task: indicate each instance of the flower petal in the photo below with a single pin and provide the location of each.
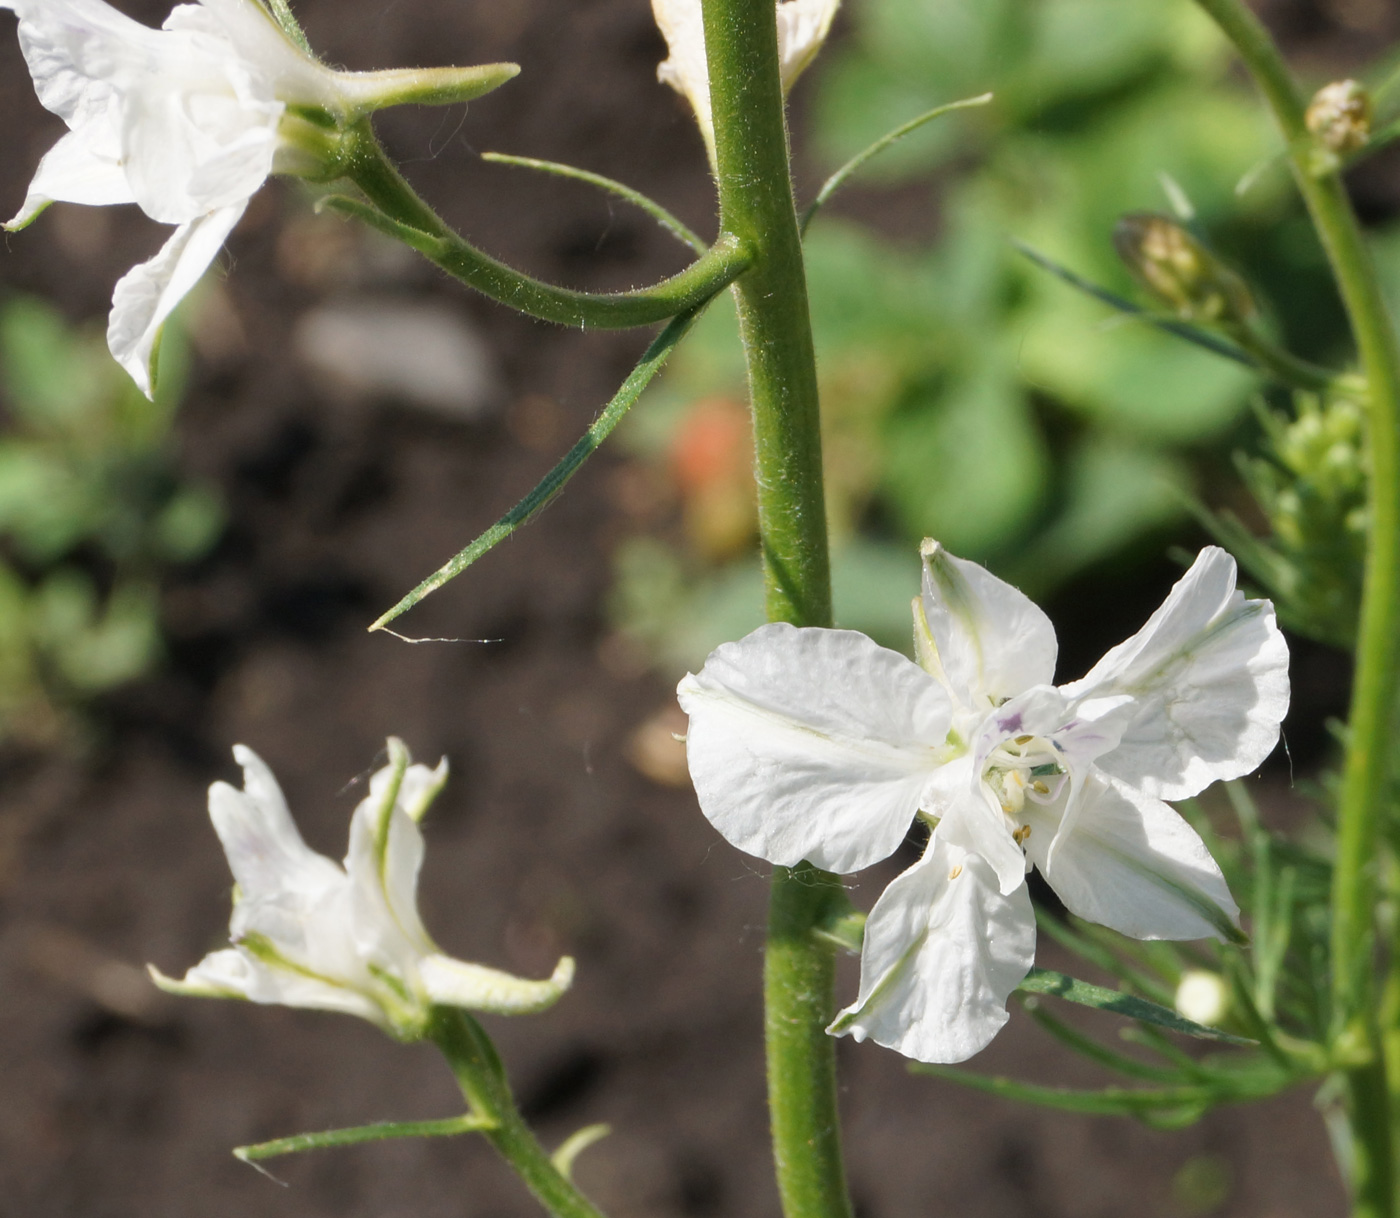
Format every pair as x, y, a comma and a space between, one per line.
1210, 672
455, 983
802, 29
814, 744
265, 852
147, 294
943, 951
991, 640
970, 819
1134, 865
71, 172
685, 69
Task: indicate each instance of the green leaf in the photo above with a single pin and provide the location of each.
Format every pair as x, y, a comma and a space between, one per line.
557, 478
359, 1134
1044, 981
1110, 1101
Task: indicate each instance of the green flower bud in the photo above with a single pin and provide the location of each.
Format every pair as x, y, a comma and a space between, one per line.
1339, 116
1179, 271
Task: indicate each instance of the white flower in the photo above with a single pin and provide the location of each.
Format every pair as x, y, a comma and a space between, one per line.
187, 122
819, 744
802, 28
307, 933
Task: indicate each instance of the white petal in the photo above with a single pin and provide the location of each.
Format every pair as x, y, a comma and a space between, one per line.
992, 641
420, 787
260, 43
802, 28
1210, 670
971, 820
71, 173
943, 952
455, 983
383, 862
1134, 865
682, 24
265, 852
147, 294
812, 744
234, 974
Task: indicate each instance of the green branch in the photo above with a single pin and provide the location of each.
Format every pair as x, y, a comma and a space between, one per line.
411, 220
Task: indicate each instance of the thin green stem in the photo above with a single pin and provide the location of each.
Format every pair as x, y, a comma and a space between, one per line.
1365, 773
410, 219
680, 231
756, 205
479, 1074
330, 1139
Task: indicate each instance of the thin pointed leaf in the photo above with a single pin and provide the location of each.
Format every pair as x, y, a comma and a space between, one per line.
1110, 1101
1097, 954
282, 13
1087, 1046
1180, 329
555, 481
1044, 981
574, 1145
654, 209
840, 177
358, 1134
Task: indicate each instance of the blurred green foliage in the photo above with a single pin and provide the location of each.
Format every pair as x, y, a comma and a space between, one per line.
967, 394
91, 512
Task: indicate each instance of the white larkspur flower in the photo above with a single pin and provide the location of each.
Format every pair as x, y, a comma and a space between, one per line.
308, 933
188, 121
821, 745
802, 28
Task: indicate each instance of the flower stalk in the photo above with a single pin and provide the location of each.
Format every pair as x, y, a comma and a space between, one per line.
1366, 770
756, 205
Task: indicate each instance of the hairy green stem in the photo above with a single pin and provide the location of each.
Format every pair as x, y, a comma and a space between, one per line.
363, 162
479, 1073
1366, 772
756, 205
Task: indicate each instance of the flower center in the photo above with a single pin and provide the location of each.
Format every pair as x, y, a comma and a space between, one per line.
1022, 768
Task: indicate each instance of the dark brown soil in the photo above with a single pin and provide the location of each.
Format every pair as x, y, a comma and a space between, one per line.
117, 1104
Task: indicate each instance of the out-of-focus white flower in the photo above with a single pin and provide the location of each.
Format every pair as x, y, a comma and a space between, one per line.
1203, 997
802, 28
187, 122
821, 745
306, 932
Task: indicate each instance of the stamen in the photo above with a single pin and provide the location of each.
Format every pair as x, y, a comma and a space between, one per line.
957, 871
1021, 834
1023, 740
1040, 788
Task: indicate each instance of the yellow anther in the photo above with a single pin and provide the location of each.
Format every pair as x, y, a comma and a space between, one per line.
1024, 739
1040, 788
1021, 834
957, 871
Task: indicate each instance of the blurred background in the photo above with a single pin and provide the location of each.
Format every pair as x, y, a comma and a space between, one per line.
179, 576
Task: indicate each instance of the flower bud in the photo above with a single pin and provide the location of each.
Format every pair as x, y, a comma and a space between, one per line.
1203, 997
1179, 271
1340, 117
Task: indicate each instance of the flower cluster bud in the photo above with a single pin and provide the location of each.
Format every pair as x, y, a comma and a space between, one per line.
1339, 117
1179, 271
1313, 489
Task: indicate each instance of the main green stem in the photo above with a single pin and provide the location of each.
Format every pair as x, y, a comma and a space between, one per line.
479, 1074
757, 208
1366, 771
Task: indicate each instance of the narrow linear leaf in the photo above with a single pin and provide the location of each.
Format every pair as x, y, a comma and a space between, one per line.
1179, 329
1098, 954
364, 1133
1110, 1101
1087, 1046
282, 13
1059, 985
669, 222
554, 481
842, 175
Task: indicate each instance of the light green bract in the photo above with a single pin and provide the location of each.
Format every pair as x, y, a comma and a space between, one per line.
821, 745
309, 933
187, 122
